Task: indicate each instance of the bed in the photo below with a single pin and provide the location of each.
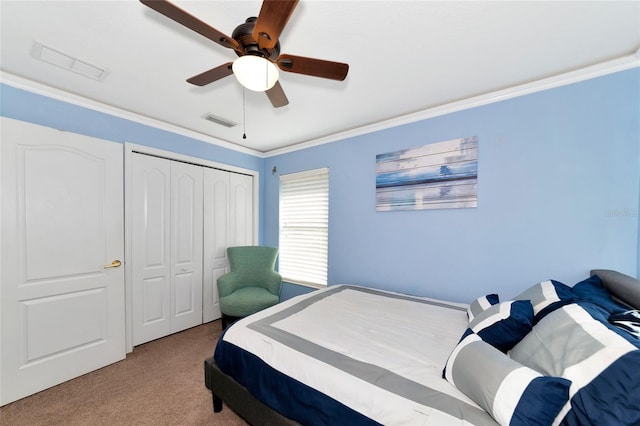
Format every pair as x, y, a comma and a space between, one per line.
353, 355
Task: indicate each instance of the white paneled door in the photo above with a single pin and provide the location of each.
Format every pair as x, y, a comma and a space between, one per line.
62, 289
166, 246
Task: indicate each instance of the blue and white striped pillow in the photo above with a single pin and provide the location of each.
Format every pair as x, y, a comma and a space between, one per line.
512, 393
505, 324
481, 304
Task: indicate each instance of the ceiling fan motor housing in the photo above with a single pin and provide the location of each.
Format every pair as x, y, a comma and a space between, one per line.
243, 34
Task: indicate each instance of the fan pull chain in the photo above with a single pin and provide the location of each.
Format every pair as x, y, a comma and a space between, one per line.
244, 115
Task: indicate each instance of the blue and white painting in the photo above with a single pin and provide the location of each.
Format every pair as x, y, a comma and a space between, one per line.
441, 175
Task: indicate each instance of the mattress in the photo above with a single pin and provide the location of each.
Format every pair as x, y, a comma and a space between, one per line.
352, 355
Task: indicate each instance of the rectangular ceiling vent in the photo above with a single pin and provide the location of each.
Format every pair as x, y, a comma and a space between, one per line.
219, 120
62, 60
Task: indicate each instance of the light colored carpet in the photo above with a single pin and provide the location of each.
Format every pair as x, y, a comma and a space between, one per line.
159, 383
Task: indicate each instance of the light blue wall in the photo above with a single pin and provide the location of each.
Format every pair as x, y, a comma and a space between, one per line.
559, 190
557, 171
26, 106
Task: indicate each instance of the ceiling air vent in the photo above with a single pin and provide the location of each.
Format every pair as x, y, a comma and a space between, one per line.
219, 120
55, 57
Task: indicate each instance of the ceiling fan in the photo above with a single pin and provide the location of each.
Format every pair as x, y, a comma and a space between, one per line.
256, 40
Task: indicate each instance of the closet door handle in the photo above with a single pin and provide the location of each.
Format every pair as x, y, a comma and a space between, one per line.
114, 264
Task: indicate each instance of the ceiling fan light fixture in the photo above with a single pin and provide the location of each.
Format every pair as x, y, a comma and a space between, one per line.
255, 72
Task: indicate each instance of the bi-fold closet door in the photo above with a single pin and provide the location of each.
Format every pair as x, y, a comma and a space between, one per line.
167, 209
183, 218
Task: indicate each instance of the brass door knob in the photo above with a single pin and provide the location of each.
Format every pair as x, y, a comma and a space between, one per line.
114, 264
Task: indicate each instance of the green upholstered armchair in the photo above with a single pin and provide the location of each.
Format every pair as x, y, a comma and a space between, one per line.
252, 284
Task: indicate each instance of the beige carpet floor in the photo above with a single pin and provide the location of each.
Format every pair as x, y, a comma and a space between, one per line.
159, 383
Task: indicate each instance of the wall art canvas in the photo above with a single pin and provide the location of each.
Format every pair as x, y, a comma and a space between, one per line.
441, 175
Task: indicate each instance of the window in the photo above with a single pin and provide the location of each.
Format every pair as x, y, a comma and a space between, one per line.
304, 226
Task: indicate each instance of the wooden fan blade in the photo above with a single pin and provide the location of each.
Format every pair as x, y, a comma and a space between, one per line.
276, 96
313, 67
183, 17
273, 16
212, 75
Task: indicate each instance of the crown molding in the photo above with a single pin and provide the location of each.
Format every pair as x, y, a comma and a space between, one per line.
64, 96
609, 67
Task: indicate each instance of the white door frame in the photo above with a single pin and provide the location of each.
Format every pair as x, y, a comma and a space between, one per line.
129, 150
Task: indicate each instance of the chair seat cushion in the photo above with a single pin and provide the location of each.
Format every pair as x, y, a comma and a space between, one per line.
246, 301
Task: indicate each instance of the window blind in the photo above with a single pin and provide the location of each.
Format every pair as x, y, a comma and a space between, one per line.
304, 226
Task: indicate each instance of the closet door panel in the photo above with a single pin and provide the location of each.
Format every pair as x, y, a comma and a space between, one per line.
216, 233
154, 309
151, 255
186, 245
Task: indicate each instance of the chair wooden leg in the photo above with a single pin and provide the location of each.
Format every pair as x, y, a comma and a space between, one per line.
227, 320
224, 322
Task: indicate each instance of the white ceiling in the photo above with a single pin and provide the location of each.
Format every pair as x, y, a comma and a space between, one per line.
404, 57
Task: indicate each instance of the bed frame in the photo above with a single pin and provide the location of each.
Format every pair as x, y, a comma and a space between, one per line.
237, 397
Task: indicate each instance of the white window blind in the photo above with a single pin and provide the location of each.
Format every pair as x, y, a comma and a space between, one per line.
304, 226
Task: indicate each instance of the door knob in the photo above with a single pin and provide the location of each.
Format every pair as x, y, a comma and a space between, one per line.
114, 264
